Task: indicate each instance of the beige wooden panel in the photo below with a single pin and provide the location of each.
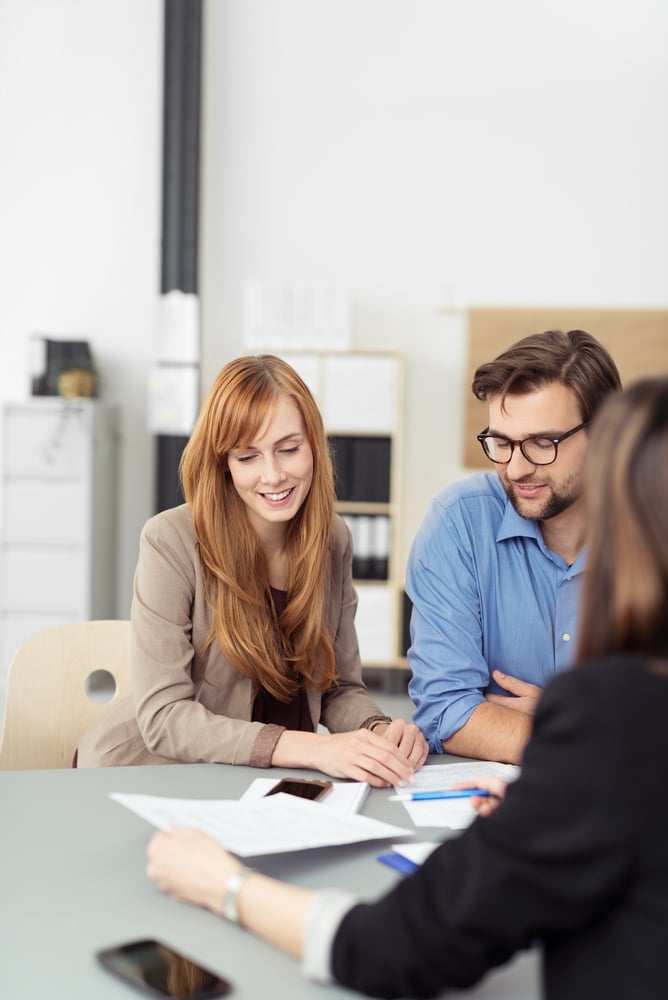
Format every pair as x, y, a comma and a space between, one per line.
636, 338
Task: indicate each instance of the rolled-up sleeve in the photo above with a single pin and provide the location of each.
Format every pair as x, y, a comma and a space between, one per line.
449, 671
487, 594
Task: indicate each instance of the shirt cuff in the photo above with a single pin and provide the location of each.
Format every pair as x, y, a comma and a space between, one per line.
327, 910
265, 743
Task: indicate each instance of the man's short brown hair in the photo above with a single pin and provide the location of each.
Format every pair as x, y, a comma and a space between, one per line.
574, 359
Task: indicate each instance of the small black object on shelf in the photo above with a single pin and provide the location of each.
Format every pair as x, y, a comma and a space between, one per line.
52, 358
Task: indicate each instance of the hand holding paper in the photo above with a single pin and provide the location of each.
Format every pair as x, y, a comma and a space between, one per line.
444, 792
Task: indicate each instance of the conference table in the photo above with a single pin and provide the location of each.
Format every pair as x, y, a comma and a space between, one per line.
73, 880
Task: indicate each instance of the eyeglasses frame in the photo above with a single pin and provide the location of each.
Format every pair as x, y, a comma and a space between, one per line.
556, 441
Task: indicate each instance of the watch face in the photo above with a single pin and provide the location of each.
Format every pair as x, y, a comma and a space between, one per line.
232, 890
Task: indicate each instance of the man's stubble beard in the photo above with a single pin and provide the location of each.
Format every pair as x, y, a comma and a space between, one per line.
559, 499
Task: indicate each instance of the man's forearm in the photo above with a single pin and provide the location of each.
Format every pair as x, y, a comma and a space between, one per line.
492, 732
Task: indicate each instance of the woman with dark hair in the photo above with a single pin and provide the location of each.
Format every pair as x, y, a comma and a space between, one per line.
243, 639
575, 855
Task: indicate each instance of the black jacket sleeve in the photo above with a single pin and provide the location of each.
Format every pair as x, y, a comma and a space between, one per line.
549, 860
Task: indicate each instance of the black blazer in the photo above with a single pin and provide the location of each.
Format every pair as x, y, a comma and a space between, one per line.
576, 856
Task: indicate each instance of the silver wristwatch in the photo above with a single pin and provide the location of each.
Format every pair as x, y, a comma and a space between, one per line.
232, 890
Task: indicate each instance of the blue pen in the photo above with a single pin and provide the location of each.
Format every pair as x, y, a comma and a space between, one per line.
450, 793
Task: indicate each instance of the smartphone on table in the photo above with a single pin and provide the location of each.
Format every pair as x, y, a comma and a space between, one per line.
304, 788
160, 971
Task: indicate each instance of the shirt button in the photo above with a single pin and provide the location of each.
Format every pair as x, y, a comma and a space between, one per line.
566, 637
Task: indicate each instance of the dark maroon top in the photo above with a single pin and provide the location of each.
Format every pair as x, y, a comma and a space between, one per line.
295, 714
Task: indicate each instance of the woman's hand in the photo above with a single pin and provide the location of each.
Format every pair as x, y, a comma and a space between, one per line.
359, 755
191, 866
365, 756
387, 756
485, 805
408, 738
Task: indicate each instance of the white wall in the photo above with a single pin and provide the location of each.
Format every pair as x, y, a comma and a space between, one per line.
80, 162
422, 151
430, 152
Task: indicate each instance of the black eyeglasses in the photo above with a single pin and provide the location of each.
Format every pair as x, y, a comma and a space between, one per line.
537, 450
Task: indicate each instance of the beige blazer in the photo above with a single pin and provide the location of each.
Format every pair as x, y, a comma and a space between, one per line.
171, 717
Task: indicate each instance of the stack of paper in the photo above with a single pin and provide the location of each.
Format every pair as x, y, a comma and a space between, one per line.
265, 826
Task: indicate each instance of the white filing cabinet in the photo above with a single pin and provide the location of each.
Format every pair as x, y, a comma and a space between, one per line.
57, 516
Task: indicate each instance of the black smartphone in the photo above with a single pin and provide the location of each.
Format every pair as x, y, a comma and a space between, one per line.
305, 788
160, 971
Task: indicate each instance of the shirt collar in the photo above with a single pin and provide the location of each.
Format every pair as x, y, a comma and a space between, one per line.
513, 525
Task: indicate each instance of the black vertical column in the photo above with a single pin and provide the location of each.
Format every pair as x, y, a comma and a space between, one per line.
180, 192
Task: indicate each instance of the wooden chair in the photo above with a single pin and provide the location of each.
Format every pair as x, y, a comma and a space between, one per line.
60, 682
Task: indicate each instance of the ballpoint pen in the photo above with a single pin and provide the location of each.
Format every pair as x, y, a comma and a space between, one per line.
447, 793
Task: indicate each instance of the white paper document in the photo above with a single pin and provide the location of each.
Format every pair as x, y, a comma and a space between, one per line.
416, 851
454, 813
266, 826
344, 797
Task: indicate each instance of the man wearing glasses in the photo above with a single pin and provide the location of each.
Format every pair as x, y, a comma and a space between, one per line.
494, 571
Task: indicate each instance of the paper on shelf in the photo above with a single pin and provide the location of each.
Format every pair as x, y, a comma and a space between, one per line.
454, 813
266, 826
172, 398
360, 391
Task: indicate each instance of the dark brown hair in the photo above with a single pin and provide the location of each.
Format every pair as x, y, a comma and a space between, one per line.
625, 597
240, 401
574, 359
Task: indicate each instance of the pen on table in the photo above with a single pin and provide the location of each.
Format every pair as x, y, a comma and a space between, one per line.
447, 793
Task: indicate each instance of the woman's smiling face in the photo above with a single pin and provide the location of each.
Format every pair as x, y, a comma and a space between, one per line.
273, 474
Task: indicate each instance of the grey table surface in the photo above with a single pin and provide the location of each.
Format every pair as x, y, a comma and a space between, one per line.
72, 875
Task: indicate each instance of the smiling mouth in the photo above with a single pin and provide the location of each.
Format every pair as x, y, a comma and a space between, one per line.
276, 497
528, 489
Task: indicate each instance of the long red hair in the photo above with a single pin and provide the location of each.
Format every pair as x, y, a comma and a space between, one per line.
275, 653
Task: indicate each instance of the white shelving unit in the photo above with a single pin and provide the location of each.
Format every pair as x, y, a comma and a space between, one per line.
57, 516
360, 397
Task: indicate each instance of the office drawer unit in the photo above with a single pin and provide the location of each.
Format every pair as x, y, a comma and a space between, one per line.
57, 516
360, 396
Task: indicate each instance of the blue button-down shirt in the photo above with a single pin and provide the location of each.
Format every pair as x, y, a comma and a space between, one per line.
487, 594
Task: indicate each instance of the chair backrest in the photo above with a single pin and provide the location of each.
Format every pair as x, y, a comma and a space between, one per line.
58, 686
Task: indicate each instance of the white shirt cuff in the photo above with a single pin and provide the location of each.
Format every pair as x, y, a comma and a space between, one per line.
327, 910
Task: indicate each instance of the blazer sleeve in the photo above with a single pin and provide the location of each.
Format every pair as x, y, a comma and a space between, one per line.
170, 619
551, 859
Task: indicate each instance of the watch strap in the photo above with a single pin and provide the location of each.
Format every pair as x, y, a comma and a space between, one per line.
232, 890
